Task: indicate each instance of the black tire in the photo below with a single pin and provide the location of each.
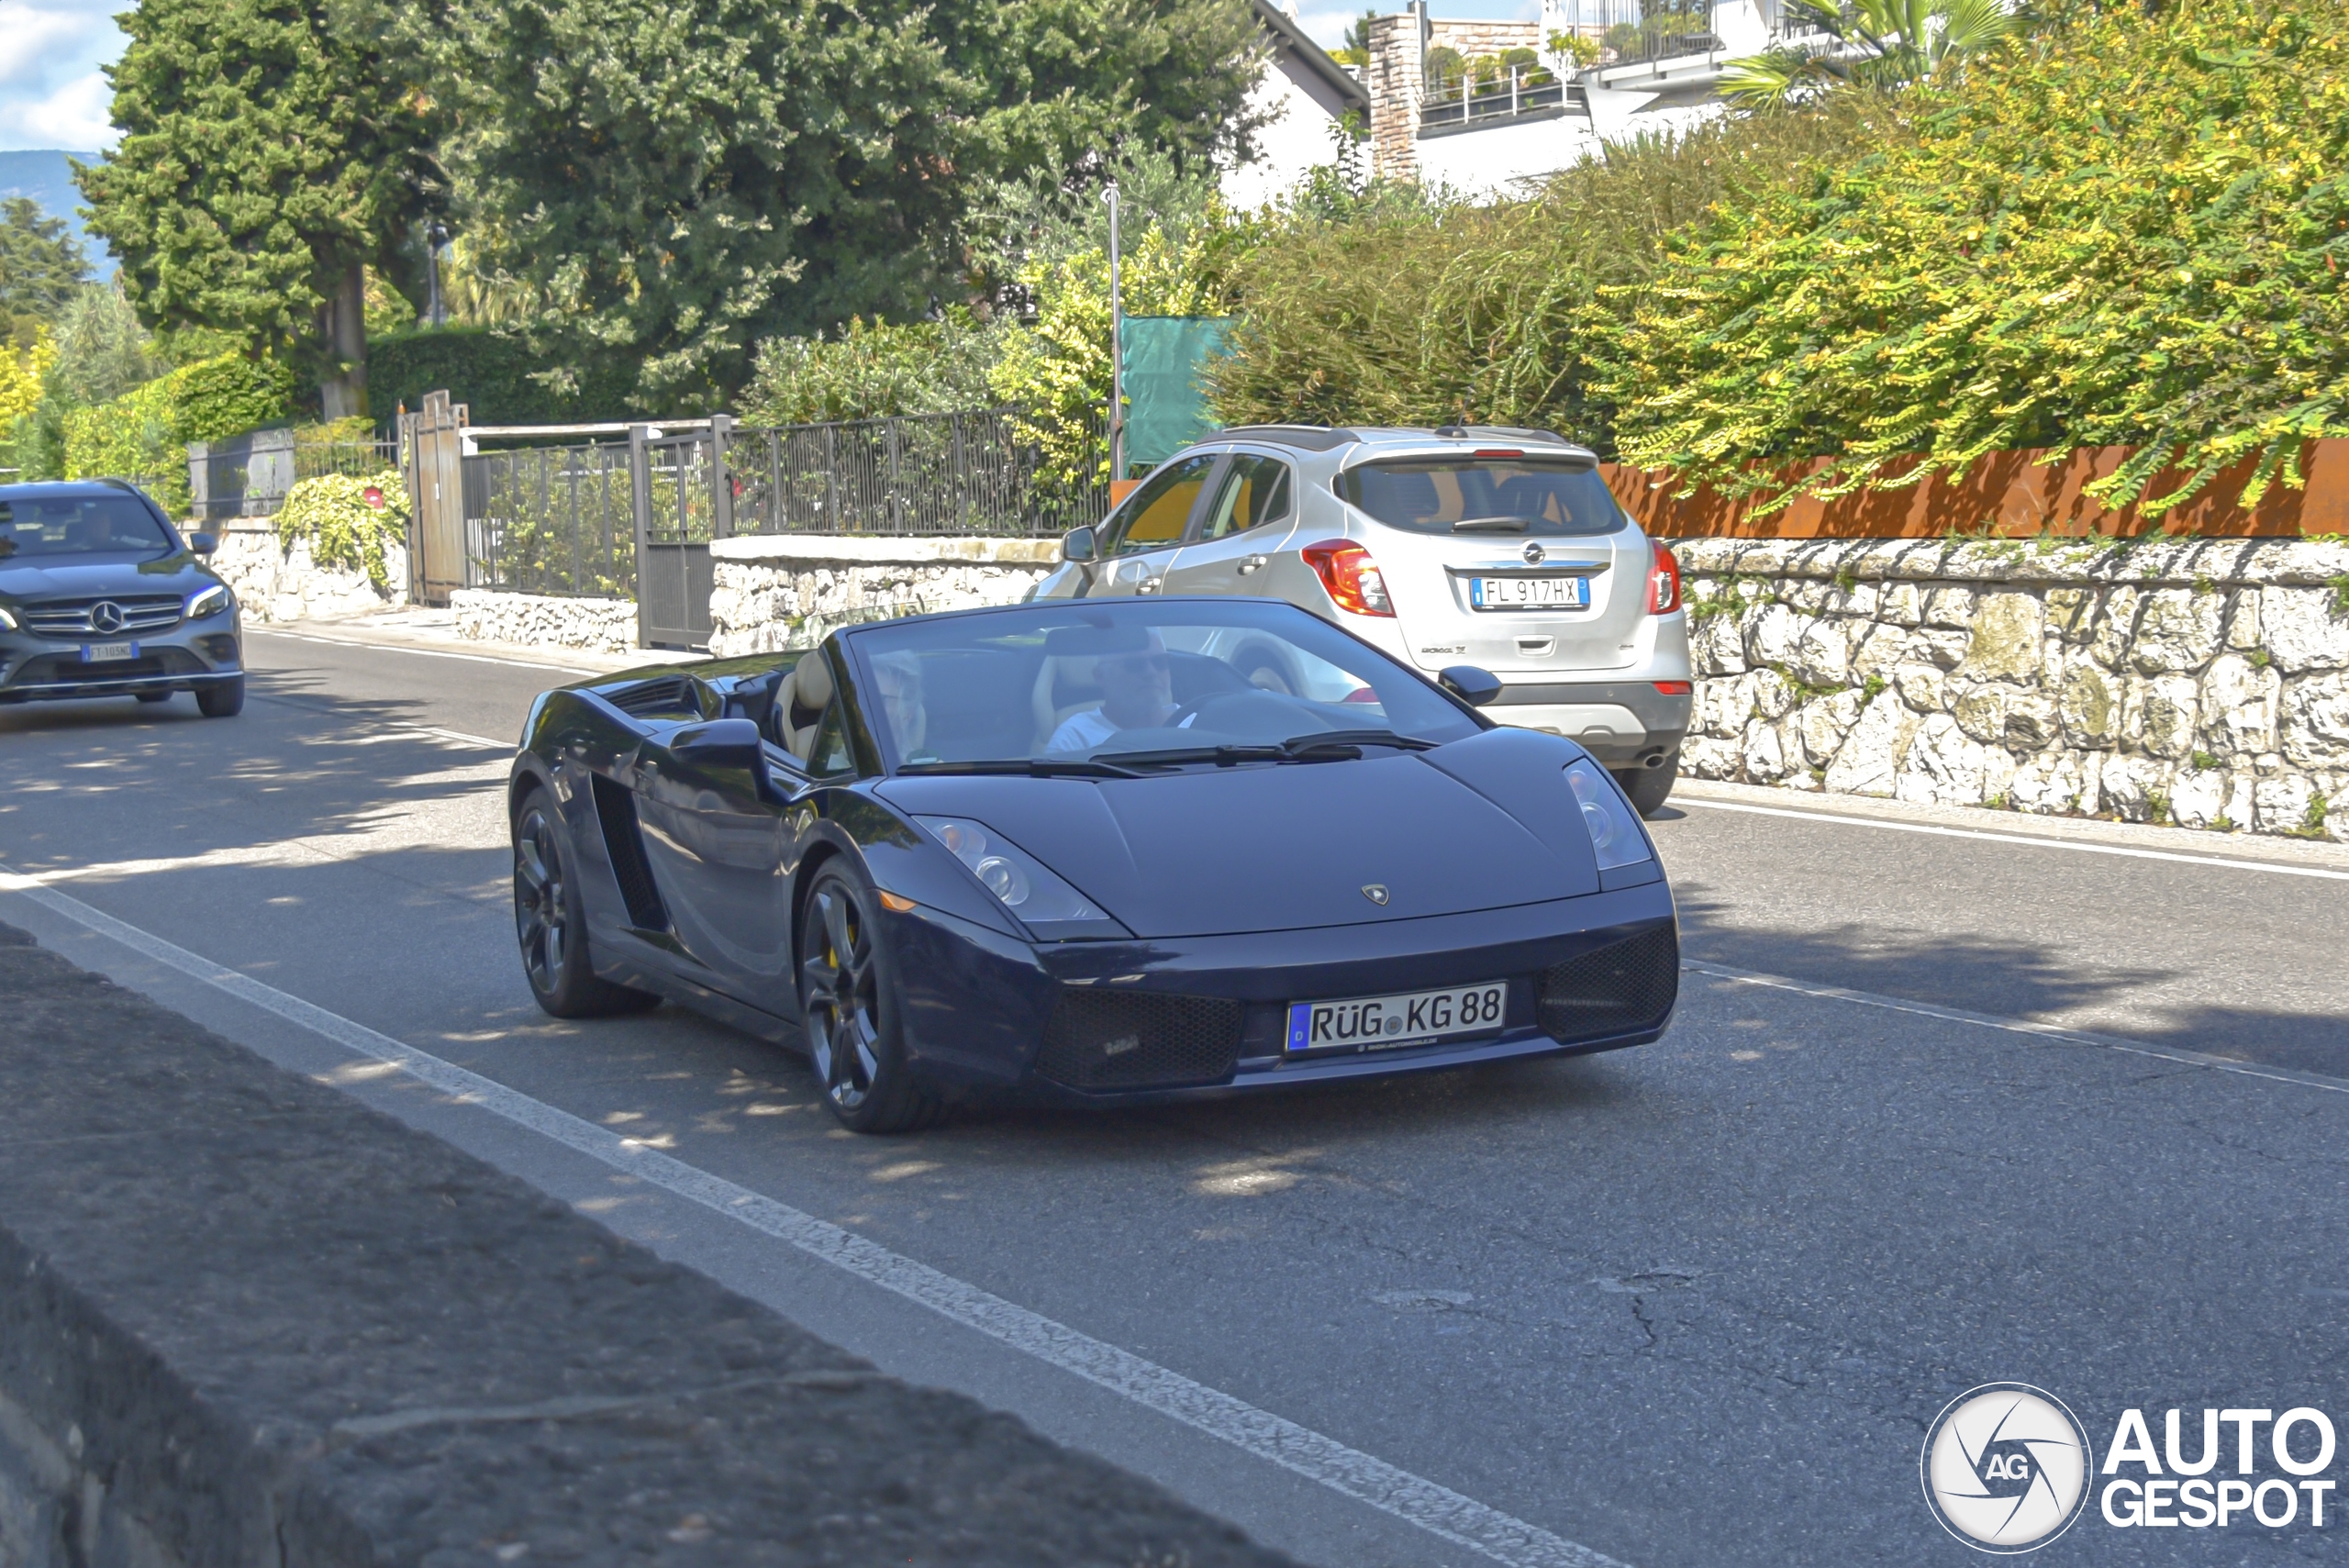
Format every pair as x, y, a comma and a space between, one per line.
223, 701
848, 1000
551, 923
1648, 787
153, 696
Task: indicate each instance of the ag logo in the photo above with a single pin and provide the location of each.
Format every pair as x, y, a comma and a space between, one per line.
2006, 1467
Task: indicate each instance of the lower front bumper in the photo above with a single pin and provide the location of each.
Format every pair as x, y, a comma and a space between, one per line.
979, 1007
44, 671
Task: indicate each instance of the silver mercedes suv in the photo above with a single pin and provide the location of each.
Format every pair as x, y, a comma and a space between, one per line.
1478, 545
101, 597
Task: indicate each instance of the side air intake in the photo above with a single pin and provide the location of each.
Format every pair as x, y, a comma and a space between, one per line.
615, 811
1622, 988
1109, 1039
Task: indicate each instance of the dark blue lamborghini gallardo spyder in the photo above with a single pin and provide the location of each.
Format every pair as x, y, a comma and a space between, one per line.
1091, 851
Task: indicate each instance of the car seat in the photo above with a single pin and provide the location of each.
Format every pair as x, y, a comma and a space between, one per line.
1058, 695
800, 702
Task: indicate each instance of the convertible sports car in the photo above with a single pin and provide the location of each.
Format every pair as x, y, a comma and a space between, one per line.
1089, 850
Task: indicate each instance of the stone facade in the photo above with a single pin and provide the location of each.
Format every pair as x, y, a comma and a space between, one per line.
275, 582
537, 621
1396, 78
776, 591
2202, 683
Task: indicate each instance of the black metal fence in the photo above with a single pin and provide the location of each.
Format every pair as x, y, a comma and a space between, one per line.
555, 520
934, 473
248, 475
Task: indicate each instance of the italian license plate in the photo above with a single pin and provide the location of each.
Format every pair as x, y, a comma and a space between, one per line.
1529, 593
107, 652
1383, 1023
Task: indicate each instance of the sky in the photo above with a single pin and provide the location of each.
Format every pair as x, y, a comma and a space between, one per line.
51, 93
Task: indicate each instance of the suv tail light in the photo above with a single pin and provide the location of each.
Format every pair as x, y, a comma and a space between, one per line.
1352, 577
1663, 581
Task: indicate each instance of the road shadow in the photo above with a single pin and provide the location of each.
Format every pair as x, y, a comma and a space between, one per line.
2013, 978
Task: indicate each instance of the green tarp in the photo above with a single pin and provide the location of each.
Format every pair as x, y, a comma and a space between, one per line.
1165, 409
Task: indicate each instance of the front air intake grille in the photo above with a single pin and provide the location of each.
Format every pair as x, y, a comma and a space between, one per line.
1622, 988
1110, 1040
71, 669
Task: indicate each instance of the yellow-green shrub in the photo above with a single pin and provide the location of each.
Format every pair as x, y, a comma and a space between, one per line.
345, 527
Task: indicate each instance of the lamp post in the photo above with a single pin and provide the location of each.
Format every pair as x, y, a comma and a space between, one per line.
1117, 346
435, 236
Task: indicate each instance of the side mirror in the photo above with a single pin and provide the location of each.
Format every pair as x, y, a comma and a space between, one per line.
1473, 686
719, 743
1077, 545
204, 544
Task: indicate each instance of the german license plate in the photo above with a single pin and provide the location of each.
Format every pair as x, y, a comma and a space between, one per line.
107, 652
1529, 593
1383, 1023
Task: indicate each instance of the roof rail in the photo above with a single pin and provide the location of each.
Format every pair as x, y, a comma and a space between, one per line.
1305, 438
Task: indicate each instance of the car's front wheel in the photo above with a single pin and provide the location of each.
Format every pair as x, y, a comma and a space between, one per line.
549, 922
848, 1000
1649, 787
224, 700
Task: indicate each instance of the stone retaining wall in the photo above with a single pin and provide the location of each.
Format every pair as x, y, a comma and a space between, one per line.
776, 591
276, 582
2202, 683
536, 620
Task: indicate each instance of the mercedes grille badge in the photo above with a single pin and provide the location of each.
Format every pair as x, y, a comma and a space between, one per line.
1375, 891
1533, 553
105, 616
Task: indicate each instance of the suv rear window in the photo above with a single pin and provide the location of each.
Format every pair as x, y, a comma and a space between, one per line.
1471, 494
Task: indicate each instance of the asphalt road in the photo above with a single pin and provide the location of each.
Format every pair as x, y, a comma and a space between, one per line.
1693, 1303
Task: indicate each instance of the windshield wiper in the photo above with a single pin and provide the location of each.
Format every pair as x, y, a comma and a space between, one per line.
1031, 767
1492, 524
1353, 739
1222, 756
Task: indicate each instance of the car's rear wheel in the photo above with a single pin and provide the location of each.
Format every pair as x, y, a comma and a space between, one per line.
225, 700
549, 922
1649, 787
848, 1000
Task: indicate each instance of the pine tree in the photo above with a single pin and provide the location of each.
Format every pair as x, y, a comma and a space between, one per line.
41, 264
272, 150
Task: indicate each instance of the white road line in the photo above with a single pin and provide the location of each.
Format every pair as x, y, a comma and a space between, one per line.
1434, 1509
2029, 839
432, 652
2021, 1025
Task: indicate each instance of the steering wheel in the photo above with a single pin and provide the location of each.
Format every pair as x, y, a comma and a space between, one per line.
1199, 706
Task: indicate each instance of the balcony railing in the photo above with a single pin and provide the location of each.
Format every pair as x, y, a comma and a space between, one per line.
1522, 91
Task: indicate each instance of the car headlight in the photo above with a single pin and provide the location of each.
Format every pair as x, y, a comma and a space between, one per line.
1615, 835
210, 602
8, 621
1023, 884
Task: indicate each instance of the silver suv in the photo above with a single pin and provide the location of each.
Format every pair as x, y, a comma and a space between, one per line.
1465, 545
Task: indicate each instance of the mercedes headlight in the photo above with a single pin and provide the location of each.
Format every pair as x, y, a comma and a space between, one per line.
209, 602
1615, 835
8, 621
1024, 884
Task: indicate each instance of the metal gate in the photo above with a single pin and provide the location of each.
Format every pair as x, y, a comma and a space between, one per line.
683, 497
433, 444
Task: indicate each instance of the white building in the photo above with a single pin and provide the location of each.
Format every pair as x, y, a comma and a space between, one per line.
1304, 96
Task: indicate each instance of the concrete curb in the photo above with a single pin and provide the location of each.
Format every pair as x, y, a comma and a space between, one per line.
245, 1320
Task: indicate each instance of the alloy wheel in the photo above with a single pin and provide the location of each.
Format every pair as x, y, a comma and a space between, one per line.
841, 983
541, 918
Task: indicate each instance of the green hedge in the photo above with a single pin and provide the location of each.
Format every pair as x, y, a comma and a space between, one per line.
143, 434
489, 372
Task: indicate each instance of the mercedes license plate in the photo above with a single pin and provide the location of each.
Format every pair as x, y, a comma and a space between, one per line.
1383, 1023
107, 652
1529, 593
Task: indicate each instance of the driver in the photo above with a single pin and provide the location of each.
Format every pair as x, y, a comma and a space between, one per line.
1137, 693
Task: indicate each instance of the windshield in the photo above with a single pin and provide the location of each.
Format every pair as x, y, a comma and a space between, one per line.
79, 525
1512, 494
1066, 684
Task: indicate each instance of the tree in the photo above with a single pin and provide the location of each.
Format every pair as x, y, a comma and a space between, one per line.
670, 183
1876, 43
41, 265
272, 151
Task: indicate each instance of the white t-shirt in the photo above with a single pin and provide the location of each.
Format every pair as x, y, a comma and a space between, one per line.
1083, 731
